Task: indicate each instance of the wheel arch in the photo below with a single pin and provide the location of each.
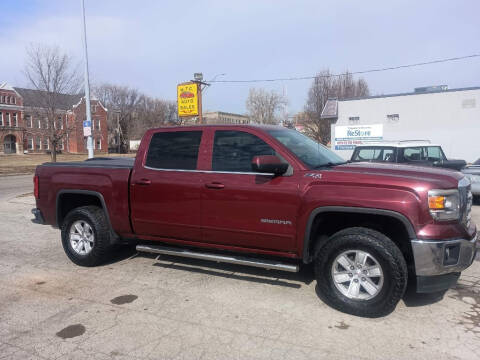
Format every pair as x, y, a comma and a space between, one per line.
311, 244
78, 198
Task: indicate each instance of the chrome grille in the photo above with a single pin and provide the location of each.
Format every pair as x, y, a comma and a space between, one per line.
466, 200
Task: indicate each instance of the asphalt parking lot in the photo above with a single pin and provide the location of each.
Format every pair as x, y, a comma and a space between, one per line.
143, 307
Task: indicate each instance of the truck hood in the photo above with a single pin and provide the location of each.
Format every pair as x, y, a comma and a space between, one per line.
398, 174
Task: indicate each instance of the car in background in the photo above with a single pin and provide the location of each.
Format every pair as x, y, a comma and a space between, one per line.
472, 173
412, 152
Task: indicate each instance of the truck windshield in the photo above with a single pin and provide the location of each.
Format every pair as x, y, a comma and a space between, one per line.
310, 152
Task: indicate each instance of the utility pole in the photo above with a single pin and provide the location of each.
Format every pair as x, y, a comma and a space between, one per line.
87, 86
198, 79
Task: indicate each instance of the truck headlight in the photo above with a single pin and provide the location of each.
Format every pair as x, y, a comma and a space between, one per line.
444, 204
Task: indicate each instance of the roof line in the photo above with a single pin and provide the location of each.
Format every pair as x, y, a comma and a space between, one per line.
411, 93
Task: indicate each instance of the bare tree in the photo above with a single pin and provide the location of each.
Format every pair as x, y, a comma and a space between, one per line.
263, 105
327, 86
132, 113
122, 103
52, 73
152, 112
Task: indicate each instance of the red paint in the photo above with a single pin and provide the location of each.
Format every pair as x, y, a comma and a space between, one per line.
247, 212
187, 95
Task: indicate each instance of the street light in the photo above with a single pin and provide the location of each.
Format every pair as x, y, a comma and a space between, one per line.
87, 86
213, 79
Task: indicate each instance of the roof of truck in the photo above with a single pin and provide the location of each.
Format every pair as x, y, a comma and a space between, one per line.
252, 126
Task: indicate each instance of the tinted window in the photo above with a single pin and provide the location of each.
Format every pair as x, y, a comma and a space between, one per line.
174, 150
413, 154
374, 154
234, 150
477, 162
434, 153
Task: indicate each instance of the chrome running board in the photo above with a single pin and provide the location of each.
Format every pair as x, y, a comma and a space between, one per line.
231, 259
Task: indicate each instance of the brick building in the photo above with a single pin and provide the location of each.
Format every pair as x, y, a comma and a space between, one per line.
24, 129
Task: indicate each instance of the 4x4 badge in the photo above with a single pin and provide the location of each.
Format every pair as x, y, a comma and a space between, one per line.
314, 175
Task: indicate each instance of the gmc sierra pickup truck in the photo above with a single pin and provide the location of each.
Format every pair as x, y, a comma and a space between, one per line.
268, 197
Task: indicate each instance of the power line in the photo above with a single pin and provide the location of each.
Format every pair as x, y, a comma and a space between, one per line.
351, 73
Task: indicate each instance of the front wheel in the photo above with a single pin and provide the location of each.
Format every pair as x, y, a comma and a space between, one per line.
361, 272
85, 236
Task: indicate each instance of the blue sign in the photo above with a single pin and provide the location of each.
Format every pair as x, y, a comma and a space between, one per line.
87, 128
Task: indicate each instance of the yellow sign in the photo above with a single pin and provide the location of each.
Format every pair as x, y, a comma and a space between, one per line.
187, 99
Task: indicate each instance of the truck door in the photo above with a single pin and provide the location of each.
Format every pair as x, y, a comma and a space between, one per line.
243, 208
166, 188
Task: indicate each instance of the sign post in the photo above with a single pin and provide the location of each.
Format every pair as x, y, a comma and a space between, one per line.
87, 87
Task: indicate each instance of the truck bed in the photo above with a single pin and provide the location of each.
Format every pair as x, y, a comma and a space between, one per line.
106, 178
124, 162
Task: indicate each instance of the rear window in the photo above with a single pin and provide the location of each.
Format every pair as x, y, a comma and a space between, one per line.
423, 153
174, 150
374, 154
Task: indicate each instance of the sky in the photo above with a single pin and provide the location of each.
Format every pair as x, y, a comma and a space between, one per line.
154, 45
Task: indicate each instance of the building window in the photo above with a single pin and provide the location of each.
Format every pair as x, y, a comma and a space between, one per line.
15, 123
60, 144
14, 99
98, 124
46, 123
7, 119
98, 144
94, 109
1, 118
60, 123
28, 120
7, 99
30, 142
39, 123
38, 143
2, 98
354, 119
393, 118
45, 144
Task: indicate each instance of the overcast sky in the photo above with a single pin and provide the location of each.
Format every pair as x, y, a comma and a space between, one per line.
153, 45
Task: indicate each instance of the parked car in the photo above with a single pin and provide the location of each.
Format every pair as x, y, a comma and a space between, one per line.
412, 152
269, 197
472, 172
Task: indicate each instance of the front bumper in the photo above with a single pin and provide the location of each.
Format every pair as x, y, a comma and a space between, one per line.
438, 263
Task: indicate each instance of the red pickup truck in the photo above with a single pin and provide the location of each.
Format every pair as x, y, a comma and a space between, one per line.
269, 197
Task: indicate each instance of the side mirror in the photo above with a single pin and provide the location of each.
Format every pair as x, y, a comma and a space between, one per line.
269, 164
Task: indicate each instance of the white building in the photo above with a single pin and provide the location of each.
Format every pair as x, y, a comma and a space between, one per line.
449, 117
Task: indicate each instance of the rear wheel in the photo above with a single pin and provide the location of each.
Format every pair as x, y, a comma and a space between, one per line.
361, 272
85, 236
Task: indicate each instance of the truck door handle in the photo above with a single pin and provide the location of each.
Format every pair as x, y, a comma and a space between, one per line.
143, 182
215, 185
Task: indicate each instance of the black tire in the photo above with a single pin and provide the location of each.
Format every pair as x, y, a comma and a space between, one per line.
95, 217
387, 254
